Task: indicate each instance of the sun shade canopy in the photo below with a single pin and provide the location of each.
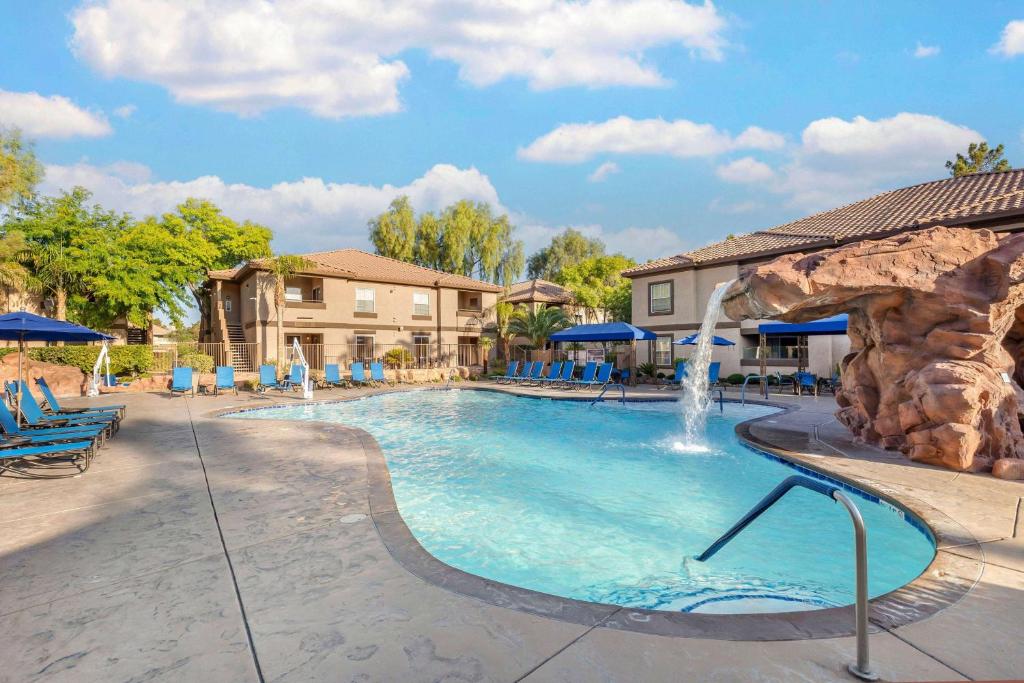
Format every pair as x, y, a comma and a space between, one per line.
22, 326
834, 325
602, 332
692, 341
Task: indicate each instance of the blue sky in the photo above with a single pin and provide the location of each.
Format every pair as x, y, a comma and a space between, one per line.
707, 119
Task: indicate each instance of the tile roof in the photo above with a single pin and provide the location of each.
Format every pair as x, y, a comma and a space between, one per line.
360, 265
225, 274
539, 290
950, 201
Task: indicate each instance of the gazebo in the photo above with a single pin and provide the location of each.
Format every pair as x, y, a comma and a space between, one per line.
835, 324
607, 332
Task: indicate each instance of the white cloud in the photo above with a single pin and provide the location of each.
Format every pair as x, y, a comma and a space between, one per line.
745, 170
1011, 43
306, 214
841, 161
925, 51
340, 59
125, 111
602, 172
39, 116
576, 142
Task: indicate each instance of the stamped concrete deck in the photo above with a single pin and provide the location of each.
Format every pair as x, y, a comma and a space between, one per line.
206, 549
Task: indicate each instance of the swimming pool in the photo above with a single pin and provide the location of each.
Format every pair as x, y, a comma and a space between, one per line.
600, 504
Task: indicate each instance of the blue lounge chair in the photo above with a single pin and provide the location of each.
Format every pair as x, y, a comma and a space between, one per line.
679, 372
524, 373
332, 376
9, 454
510, 372
589, 370
714, 370
604, 375
225, 379
110, 380
566, 376
535, 373
268, 379
53, 406
181, 382
35, 417
805, 380
554, 374
10, 428
359, 374
377, 375
294, 378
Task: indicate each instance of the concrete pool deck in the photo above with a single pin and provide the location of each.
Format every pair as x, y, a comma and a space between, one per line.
234, 550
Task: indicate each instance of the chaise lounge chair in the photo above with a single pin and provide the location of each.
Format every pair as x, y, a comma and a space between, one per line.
35, 417
524, 373
604, 375
10, 427
566, 375
53, 406
377, 375
294, 379
358, 375
181, 382
225, 379
11, 453
268, 379
510, 372
332, 377
535, 374
589, 370
554, 374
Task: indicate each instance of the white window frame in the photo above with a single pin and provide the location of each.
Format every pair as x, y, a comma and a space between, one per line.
227, 305
364, 304
667, 306
659, 351
420, 303
292, 293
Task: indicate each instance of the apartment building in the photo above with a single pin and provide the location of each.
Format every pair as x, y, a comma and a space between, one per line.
670, 294
353, 305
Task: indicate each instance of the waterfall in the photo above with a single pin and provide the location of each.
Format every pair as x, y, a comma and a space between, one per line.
693, 403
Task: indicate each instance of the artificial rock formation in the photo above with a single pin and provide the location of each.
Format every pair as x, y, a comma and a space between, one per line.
64, 380
937, 339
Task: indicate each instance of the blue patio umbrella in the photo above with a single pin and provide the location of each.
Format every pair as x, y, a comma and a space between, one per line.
692, 341
22, 326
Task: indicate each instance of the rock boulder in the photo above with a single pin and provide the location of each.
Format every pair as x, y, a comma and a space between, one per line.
64, 380
937, 338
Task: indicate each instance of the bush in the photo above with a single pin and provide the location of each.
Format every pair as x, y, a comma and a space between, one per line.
200, 362
735, 378
124, 360
397, 358
647, 369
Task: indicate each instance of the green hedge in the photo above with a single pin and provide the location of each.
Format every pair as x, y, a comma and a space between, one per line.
124, 360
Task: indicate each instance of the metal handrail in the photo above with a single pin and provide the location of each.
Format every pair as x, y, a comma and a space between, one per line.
862, 668
606, 387
448, 382
721, 399
763, 379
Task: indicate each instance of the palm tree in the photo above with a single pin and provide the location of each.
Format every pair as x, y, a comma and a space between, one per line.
280, 268
13, 275
502, 314
537, 324
485, 348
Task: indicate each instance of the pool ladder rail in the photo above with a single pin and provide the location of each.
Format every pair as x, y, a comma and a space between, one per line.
606, 387
862, 668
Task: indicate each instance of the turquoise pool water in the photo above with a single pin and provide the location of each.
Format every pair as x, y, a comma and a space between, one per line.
601, 504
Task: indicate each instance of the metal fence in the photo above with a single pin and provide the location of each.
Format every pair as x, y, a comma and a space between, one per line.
243, 357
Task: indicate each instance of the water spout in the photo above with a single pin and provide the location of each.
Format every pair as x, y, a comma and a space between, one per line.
694, 401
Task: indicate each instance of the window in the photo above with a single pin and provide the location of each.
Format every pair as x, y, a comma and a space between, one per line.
293, 293
364, 346
318, 294
659, 296
364, 301
420, 303
663, 352
227, 305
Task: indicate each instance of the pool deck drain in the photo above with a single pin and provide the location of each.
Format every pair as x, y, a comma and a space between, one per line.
120, 574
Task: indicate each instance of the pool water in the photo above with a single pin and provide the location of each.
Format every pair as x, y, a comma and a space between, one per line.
603, 504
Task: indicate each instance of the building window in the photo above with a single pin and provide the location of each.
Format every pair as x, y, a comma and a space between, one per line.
364, 346
663, 351
420, 303
227, 305
292, 293
659, 296
318, 295
364, 301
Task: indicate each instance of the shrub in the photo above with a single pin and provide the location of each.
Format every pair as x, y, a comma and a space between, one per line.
200, 362
661, 375
735, 378
397, 358
251, 384
646, 369
124, 360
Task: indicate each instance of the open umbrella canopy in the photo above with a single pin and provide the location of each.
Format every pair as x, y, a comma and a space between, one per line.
23, 326
603, 332
692, 341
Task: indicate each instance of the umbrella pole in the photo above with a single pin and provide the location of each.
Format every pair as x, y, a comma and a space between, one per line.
21, 354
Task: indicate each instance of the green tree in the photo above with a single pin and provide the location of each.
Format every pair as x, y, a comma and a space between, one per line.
13, 274
486, 343
393, 233
537, 324
280, 268
427, 251
207, 240
503, 311
20, 171
979, 159
597, 285
568, 247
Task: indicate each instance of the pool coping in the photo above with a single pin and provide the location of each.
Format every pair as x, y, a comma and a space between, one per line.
945, 581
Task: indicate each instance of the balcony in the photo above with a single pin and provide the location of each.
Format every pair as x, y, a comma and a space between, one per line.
470, 303
304, 292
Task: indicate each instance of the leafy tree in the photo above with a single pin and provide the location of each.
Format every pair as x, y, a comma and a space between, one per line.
206, 240
427, 251
393, 233
20, 171
13, 275
979, 159
570, 246
503, 311
597, 285
486, 343
280, 268
537, 324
